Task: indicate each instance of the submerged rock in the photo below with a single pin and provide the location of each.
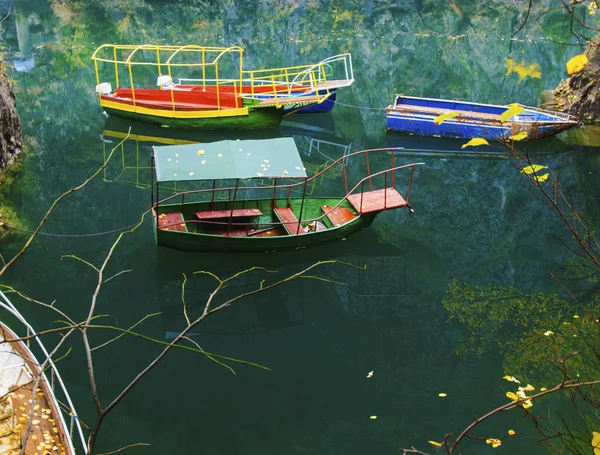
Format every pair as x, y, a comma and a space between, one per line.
11, 140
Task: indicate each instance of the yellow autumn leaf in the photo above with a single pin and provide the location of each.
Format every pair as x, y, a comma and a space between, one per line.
511, 432
494, 442
474, 142
443, 395
373, 417
513, 396
533, 168
542, 178
596, 442
438, 444
527, 404
201, 152
513, 109
518, 137
511, 379
440, 118
576, 64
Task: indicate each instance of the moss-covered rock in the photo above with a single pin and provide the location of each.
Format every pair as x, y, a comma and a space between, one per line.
580, 94
11, 140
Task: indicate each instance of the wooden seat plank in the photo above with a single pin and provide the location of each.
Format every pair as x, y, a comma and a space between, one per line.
377, 200
172, 221
289, 220
235, 213
338, 215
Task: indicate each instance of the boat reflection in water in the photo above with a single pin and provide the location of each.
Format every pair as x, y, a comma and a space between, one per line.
370, 270
412, 144
314, 135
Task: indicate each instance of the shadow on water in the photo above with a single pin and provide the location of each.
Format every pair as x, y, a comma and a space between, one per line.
361, 266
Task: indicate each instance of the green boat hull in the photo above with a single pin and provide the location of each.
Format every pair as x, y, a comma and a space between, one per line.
202, 242
263, 118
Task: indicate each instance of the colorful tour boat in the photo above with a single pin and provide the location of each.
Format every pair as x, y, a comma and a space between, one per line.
255, 195
208, 87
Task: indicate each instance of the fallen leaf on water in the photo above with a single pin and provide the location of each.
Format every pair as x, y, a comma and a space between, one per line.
201, 152
373, 417
442, 395
474, 142
437, 444
370, 374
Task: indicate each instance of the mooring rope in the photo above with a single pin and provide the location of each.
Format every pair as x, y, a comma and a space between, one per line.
361, 107
50, 234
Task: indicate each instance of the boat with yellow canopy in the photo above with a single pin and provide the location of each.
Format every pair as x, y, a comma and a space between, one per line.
207, 87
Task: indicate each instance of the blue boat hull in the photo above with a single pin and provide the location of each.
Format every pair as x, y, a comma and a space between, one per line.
472, 120
324, 107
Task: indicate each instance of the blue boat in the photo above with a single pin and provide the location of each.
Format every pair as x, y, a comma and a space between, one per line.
467, 120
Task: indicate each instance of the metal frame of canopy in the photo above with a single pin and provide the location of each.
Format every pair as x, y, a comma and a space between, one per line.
227, 160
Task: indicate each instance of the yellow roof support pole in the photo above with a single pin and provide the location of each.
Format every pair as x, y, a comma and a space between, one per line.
217, 84
235, 94
131, 82
116, 68
274, 91
158, 61
287, 82
171, 86
97, 80
241, 51
313, 84
203, 72
322, 68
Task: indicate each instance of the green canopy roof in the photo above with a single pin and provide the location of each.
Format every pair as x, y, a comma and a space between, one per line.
264, 158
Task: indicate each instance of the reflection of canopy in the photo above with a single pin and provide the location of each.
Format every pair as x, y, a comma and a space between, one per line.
268, 158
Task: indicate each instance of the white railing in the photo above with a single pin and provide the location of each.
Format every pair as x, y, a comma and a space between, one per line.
332, 63
56, 381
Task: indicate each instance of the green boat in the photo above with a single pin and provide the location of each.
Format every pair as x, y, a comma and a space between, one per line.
255, 195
